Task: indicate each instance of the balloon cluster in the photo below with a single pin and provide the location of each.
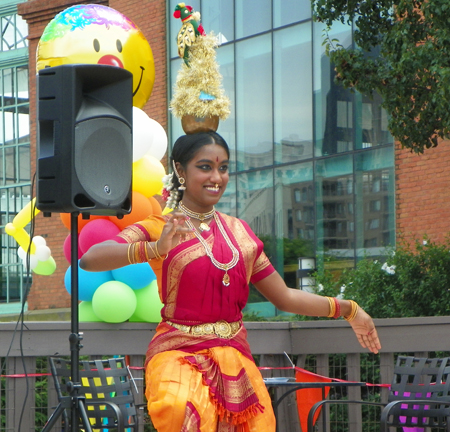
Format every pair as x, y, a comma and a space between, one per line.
131, 292
34, 253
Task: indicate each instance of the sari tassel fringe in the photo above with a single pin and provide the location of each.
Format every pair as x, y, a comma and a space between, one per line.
224, 414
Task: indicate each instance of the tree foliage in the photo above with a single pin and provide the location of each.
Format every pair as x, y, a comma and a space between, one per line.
402, 51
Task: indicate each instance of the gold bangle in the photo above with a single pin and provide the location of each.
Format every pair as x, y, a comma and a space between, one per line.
353, 312
146, 252
153, 250
128, 253
157, 251
332, 307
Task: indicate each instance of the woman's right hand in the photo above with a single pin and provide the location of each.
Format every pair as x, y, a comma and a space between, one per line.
173, 229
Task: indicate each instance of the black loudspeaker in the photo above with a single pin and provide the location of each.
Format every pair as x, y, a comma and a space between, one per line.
84, 139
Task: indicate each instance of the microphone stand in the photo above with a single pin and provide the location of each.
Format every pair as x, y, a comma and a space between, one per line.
74, 402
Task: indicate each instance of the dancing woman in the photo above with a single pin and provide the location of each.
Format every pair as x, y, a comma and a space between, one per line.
200, 374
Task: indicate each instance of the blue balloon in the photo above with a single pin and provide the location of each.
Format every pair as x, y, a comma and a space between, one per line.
88, 282
136, 276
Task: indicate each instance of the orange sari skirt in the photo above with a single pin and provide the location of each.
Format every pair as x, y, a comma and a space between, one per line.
180, 399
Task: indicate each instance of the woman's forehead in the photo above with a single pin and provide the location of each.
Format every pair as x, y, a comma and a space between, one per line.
212, 152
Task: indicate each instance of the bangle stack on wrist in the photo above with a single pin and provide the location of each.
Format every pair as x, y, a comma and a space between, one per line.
335, 308
353, 312
138, 253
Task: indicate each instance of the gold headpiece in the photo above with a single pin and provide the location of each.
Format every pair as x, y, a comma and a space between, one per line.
198, 101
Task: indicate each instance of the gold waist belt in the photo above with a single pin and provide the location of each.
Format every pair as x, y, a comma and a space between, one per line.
221, 329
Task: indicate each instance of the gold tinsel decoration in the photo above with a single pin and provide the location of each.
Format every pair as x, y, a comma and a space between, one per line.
202, 75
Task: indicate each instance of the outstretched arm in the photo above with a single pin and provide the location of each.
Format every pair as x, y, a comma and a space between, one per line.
301, 302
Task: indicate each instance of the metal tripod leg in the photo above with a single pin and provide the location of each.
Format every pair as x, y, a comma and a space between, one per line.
78, 411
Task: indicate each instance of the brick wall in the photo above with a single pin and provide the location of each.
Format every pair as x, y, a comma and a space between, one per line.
48, 292
422, 193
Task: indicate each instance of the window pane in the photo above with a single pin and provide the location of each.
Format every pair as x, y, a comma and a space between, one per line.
375, 204
227, 203
334, 188
24, 163
255, 200
227, 128
218, 16
254, 103
294, 217
333, 105
293, 94
255, 206
253, 17
14, 151
290, 11
372, 119
175, 123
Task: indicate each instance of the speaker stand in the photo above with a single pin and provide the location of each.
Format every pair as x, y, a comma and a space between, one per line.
74, 402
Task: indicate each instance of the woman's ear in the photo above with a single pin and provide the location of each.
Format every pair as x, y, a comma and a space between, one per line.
180, 169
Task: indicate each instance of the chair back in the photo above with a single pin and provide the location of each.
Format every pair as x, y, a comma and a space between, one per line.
106, 386
423, 386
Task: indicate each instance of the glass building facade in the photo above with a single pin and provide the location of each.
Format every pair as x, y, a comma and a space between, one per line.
15, 181
312, 163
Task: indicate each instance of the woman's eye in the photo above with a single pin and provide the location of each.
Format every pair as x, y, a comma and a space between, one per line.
224, 168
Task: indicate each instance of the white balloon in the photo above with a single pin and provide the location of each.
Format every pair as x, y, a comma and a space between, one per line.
39, 241
149, 137
43, 253
21, 253
33, 262
141, 133
158, 146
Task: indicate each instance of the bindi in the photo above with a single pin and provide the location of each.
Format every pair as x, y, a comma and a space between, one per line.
217, 159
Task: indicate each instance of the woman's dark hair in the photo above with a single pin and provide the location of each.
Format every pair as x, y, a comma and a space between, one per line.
186, 146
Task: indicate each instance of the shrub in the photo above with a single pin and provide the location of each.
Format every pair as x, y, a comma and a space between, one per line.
411, 280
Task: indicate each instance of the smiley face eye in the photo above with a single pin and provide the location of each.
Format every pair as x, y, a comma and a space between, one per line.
96, 45
119, 45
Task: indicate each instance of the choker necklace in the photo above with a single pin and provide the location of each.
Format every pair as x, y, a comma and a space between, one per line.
199, 216
219, 265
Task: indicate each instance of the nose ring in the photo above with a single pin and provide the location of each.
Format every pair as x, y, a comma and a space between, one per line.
217, 185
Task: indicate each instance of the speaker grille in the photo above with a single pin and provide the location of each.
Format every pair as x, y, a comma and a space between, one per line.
103, 160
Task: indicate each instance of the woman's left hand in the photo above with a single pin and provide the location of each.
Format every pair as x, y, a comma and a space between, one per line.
365, 331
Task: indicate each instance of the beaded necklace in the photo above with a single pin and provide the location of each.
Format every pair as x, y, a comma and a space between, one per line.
199, 216
219, 265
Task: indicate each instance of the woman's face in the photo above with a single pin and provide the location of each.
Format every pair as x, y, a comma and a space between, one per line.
206, 176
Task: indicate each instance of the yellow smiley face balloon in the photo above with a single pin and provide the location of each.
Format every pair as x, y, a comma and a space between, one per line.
95, 34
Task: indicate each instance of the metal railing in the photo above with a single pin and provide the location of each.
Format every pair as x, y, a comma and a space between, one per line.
25, 348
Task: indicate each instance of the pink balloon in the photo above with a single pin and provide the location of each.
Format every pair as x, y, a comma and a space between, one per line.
96, 231
67, 249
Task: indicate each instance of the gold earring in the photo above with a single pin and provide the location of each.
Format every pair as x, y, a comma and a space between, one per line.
180, 179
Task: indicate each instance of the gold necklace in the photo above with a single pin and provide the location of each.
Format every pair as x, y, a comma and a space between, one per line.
225, 267
199, 216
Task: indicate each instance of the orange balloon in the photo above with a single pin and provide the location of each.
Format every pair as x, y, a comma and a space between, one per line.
140, 209
65, 218
157, 210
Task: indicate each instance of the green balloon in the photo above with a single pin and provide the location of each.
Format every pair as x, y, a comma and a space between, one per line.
45, 268
114, 302
86, 313
148, 308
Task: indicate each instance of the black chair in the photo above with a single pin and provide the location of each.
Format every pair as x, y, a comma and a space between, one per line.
106, 389
419, 396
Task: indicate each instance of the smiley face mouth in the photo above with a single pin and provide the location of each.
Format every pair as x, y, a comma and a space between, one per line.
140, 81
